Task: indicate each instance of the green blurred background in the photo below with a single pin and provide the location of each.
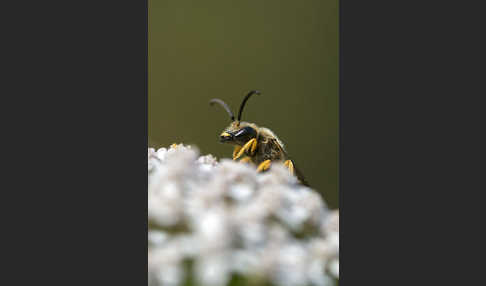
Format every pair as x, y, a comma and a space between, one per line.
200, 50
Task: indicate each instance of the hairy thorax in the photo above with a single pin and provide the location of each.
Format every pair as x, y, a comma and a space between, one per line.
269, 147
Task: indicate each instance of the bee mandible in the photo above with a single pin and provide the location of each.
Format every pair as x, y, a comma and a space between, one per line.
258, 145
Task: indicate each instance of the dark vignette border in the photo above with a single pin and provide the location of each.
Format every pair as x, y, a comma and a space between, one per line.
77, 163
408, 127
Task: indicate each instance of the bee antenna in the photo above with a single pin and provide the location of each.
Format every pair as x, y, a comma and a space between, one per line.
224, 105
244, 102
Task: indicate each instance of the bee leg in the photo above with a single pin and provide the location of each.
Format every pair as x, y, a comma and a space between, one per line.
264, 166
290, 166
246, 160
250, 145
235, 151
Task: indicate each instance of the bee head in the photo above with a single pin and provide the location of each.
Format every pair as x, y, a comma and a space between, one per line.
237, 132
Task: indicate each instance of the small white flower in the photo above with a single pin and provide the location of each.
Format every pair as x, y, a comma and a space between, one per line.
161, 153
228, 219
156, 237
213, 270
245, 262
334, 268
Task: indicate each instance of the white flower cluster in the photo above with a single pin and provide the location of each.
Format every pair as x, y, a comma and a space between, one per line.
213, 222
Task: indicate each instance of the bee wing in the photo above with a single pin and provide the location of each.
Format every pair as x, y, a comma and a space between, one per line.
297, 171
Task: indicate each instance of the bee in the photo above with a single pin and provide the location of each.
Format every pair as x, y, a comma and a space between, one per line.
258, 145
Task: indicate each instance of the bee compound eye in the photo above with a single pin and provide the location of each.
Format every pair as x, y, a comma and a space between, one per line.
246, 132
240, 133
